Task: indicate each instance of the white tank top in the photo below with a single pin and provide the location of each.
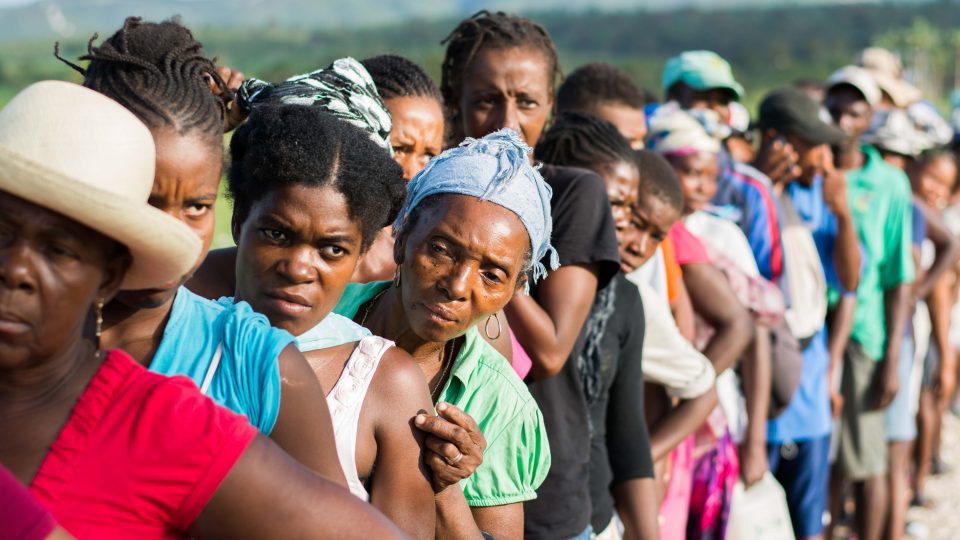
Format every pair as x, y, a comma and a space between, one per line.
346, 400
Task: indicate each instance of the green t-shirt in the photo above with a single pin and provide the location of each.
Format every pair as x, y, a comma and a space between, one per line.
879, 196
483, 384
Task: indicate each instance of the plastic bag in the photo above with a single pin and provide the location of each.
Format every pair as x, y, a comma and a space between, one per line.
760, 512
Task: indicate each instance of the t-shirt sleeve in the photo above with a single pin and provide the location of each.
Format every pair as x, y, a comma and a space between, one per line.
515, 462
21, 516
254, 346
205, 439
687, 247
628, 439
897, 267
583, 229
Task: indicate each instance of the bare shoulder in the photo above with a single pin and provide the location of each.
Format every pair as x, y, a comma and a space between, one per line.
216, 276
399, 383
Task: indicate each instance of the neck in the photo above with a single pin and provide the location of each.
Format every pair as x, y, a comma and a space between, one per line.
849, 156
46, 382
138, 331
388, 319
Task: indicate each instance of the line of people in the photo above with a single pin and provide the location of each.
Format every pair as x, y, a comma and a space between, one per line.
511, 305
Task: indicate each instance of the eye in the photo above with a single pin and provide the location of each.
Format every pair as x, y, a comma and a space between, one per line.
527, 103
401, 150
333, 252
197, 210
437, 247
60, 250
275, 236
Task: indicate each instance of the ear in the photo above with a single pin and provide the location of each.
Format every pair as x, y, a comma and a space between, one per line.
114, 272
522, 283
236, 225
399, 246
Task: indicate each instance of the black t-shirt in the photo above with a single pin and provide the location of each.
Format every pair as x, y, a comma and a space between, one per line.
619, 441
583, 233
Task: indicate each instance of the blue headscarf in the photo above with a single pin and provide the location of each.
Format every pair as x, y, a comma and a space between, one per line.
495, 168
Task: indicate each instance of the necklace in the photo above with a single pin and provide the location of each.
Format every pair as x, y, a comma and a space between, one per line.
445, 367
370, 304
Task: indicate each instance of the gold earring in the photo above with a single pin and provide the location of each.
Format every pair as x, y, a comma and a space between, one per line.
486, 329
98, 313
396, 278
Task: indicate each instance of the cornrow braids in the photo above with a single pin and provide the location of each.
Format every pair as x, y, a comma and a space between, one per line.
583, 140
159, 72
494, 30
395, 77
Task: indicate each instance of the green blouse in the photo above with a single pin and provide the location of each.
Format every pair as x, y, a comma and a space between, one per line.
483, 384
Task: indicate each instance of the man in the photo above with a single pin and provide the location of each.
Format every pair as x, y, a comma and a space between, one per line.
879, 197
799, 439
609, 93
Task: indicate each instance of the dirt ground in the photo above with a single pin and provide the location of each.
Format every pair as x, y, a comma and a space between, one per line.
942, 521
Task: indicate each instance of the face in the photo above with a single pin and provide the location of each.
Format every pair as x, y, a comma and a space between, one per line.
460, 261
417, 133
812, 158
849, 110
507, 88
296, 251
715, 99
52, 271
698, 178
740, 149
934, 181
651, 220
622, 181
630, 122
185, 187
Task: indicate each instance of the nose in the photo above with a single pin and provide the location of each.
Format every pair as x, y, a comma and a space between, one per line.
410, 165
299, 266
644, 244
16, 268
456, 284
510, 117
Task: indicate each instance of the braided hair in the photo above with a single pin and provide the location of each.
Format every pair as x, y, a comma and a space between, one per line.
159, 72
493, 30
284, 145
583, 140
597, 84
397, 77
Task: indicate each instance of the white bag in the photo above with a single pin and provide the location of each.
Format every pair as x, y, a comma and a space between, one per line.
804, 271
760, 512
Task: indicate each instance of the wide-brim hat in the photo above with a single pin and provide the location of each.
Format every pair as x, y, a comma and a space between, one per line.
858, 78
80, 154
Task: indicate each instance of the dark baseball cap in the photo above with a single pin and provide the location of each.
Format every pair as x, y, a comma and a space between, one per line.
791, 111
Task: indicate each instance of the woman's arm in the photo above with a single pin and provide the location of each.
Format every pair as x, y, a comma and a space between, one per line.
638, 507
677, 424
504, 522
940, 303
839, 326
947, 247
267, 494
549, 326
682, 309
400, 485
304, 429
715, 302
757, 372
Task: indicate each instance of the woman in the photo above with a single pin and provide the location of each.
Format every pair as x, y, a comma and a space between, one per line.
475, 221
500, 71
109, 448
310, 193
416, 136
159, 72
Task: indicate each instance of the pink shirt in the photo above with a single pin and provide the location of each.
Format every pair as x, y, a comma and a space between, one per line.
21, 516
687, 247
140, 455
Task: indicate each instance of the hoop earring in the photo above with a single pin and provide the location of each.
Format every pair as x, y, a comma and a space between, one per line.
396, 278
486, 329
98, 312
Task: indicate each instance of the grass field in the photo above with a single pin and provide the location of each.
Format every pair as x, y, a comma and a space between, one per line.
223, 210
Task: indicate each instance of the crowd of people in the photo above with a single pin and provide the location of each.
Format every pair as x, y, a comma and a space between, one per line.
577, 311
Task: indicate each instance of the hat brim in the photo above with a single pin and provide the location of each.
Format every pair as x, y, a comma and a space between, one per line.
902, 93
725, 84
163, 249
819, 133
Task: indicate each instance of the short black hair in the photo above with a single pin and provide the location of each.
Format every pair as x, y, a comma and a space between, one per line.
159, 72
395, 76
597, 84
658, 179
582, 140
496, 30
282, 145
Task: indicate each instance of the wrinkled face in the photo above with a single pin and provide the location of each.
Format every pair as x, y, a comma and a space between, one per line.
296, 251
185, 187
715, 99
622, 181
417, 133
849, 110
698, 178
630, 122
52, 271
507, 88
934, 181
460, 261
651, 220
812, 158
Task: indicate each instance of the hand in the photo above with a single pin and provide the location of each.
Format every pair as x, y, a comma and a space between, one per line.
753, 462
834, 187
232, 79
777, 159
454, 445
886, 383
836, 403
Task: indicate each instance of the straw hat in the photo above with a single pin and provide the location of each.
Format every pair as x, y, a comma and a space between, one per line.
79, 153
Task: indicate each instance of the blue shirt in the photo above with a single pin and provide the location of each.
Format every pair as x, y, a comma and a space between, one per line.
247, 381
808, 414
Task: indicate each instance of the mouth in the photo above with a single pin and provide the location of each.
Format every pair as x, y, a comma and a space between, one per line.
286, 303
12, 324
438, 313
